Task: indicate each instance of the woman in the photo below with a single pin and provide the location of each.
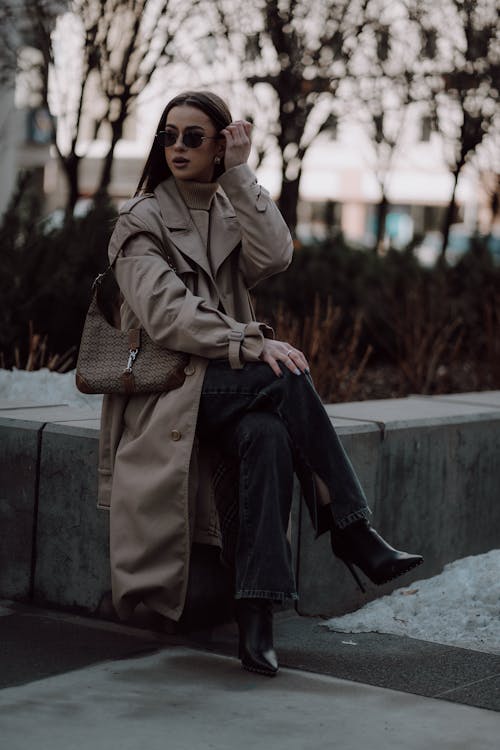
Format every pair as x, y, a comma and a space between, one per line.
247, 399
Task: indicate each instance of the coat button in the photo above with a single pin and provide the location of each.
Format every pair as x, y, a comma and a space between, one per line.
176, 435
189, 370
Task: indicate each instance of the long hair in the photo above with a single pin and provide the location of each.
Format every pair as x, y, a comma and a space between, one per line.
156, 168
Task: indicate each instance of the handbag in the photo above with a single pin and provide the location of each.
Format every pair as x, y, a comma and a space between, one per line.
114, 361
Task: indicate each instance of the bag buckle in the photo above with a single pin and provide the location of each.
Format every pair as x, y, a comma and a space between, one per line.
132, 354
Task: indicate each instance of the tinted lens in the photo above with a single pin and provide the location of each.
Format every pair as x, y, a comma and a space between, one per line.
190, 140
167, 137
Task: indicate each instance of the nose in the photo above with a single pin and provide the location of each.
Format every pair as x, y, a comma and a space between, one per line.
179, 145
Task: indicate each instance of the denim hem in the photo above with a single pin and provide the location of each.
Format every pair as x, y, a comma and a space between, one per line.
358, 515
276, 596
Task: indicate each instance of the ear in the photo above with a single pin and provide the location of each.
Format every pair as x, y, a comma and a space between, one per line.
221, 148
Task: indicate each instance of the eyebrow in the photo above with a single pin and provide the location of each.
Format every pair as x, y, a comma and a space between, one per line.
188, 127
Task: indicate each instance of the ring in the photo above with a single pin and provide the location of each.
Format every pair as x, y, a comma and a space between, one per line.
289, 352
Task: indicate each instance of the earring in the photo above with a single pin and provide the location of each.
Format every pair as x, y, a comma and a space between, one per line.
217, 160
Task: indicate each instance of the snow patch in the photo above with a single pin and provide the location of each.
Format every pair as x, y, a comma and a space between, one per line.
458, 607
44, 387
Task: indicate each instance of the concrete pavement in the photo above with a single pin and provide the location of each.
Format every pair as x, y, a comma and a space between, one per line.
75, 683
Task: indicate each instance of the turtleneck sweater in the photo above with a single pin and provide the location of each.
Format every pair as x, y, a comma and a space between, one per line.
198, 198
197, 195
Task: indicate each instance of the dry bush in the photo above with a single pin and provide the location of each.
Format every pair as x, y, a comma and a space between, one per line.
331, 347
421, 335
39, 355
491, 337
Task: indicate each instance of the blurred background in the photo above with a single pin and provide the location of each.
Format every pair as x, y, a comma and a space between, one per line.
376, 129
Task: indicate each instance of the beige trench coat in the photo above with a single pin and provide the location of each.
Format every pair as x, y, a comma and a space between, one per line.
152, 473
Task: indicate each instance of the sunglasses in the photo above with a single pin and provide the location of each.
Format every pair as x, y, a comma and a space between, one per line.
190, 139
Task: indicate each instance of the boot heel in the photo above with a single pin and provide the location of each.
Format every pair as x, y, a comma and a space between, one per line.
352, 571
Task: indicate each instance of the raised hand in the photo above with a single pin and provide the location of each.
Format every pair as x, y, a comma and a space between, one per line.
238, 143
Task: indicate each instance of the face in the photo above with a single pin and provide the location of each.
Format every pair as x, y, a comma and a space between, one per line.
192, 163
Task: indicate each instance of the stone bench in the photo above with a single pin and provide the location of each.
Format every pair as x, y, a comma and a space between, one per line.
430, 467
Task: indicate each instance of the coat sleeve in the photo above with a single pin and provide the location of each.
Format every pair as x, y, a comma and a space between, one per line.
168, 311
266, 246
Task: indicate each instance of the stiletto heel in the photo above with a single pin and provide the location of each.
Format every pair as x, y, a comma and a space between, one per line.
359, 544
352, 571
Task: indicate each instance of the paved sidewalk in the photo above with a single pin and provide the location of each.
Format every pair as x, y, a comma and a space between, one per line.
74, 683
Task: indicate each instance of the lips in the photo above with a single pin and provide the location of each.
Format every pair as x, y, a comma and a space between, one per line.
179, 161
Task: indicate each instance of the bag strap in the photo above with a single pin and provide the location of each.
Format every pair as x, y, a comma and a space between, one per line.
100, 277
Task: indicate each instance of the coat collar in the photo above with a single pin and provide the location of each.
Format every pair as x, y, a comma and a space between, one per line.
224, 227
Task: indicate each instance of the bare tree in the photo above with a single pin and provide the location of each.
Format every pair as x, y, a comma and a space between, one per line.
464, 83
486, 162
95, 58
298, 51
382, 90
392, 53
386, 107
130, 52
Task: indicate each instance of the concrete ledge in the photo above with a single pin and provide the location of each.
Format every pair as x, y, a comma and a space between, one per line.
72, 567
19, 455
430, 467
434, 488
38, 484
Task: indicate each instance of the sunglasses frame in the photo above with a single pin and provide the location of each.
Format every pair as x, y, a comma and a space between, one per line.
162, 133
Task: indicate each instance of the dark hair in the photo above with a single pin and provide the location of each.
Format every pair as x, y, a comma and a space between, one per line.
156, 168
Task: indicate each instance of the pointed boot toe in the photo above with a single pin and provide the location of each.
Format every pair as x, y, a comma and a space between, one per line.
395, 565
359, 544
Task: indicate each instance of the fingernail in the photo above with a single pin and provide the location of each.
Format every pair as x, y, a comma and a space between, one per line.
307, 370
297, 371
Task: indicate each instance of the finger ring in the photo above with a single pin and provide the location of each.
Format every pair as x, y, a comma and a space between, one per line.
289, 352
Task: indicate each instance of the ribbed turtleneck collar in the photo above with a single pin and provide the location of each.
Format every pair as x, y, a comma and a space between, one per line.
197, 195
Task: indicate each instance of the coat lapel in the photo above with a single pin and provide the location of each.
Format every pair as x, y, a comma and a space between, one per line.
225, 233
180, 227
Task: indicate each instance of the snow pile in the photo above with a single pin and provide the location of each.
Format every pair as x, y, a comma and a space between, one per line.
44, 387
458, 607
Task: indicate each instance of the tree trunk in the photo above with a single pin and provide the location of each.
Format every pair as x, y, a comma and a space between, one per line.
494, 205
381, 216
105, 179
288, 200
450, 213
71, 165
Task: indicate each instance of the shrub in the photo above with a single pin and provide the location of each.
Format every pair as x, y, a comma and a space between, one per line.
371, 326
438, 327
46, 273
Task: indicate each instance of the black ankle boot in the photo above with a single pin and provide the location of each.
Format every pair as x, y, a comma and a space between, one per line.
255, 622
359, 544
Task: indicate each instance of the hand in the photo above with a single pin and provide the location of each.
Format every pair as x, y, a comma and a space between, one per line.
238, 143
279, 351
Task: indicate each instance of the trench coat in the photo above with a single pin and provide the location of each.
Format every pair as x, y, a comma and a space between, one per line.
153, 474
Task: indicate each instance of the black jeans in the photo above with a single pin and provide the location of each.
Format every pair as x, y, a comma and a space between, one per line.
273, 426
